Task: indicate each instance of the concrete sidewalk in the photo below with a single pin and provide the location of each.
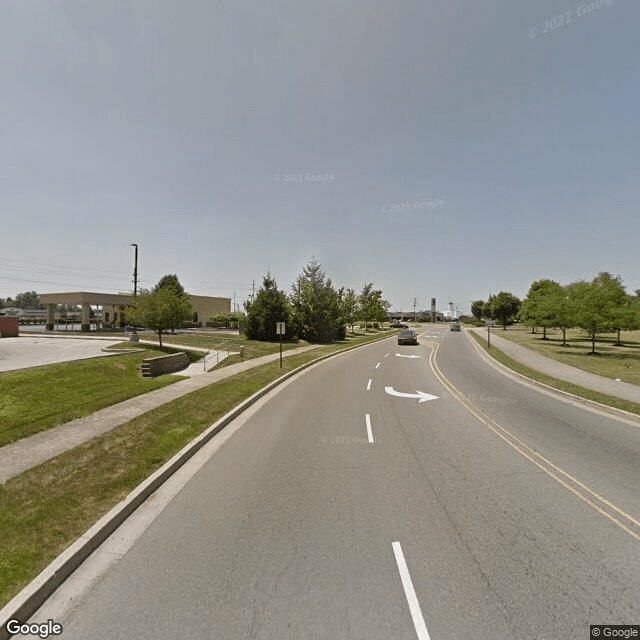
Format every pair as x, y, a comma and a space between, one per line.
624, 390
29, 452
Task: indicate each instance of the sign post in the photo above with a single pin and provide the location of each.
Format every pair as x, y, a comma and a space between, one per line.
488, 323
280, 331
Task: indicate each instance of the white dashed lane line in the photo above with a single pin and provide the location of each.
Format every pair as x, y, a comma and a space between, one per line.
410, 594
369, 432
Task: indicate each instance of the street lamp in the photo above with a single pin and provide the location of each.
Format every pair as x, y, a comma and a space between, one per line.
135, 279
135, 271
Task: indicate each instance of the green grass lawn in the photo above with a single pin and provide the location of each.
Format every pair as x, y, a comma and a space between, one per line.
611, 362
209, 340
37, 398
46, 508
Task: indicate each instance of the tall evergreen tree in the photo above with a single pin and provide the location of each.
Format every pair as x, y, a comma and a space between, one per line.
315, 305
269, 307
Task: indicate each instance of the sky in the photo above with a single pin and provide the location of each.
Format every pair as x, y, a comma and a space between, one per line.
437, 148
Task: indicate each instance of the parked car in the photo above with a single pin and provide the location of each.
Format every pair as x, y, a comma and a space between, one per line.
399, 325
455, 326
408, 336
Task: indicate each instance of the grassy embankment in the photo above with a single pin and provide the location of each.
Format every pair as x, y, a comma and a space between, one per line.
38, 398
556, 383
45, 509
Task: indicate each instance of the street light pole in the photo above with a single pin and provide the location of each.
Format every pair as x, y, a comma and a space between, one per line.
135, 278
135, 271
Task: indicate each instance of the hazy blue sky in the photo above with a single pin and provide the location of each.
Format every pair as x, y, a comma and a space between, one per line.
178, 125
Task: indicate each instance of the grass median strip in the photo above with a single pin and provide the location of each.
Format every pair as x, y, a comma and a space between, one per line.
37, 398
556, 383
45, 509
610, 361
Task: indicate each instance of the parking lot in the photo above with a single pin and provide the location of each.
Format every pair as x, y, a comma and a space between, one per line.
32, 351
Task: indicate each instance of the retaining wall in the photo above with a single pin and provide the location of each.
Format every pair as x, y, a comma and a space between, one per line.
152, 367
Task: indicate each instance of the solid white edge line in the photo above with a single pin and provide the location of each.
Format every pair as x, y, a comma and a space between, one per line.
410, 594
377, 366
369, 432
369, 384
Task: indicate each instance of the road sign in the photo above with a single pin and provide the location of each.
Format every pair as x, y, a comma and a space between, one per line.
488, 323
280, 332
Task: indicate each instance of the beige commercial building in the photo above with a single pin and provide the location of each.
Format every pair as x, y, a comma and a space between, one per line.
110, 307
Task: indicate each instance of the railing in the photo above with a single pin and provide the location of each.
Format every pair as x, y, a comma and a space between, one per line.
218, 349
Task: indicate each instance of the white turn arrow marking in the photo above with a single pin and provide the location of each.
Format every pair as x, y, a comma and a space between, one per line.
421, 396
401, 355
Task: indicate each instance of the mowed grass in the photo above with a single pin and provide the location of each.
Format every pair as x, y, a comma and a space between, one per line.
611, 361
45, 509
233, 342
556, 383
266, 348
35, 399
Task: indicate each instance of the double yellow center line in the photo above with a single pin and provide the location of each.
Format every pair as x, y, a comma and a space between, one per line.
605, 507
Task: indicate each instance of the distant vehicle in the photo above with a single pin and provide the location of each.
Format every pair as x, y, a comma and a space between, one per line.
455, 326
408, 337
399, 325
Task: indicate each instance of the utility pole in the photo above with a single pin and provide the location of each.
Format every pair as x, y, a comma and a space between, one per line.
135, 271
234, 302
415, 318
135, 287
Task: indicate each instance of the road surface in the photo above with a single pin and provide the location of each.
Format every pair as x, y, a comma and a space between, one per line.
339, 509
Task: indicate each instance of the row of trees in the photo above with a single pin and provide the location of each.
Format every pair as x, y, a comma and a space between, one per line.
504, 306
315, 310
599, 306
25, 300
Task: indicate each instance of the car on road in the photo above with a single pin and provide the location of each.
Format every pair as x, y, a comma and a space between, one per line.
408, 336
455, 326
399, 325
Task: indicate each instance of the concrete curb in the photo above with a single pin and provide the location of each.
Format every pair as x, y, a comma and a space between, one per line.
561, 395
33, 596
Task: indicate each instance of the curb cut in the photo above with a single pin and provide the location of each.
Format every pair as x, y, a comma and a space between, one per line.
566, 396
32, 597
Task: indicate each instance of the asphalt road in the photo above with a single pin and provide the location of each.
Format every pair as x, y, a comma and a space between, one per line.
493, 511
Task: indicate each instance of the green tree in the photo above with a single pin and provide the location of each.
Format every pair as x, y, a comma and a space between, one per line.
594, 304
315, 306
372, 305
537, 309
505, 306
230, 320
159, 310
563, 316
28, 300
170, 281
349, 307
269, 307
476, 309
625, 318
